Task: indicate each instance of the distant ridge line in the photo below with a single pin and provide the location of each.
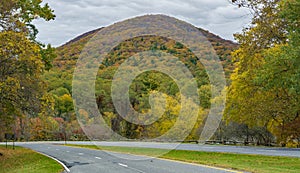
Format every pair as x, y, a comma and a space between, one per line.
204, 32
82, 36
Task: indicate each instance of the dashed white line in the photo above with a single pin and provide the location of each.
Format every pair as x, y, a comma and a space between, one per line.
273, 150
68, 151
126, 166
80, 153
98, 158
57, 149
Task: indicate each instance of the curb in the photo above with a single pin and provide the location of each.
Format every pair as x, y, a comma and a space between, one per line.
67, 170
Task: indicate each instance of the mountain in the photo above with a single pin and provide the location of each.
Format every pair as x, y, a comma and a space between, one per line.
59, 80
70, 51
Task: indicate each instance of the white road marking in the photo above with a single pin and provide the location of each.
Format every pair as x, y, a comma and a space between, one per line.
273, 150
203, 166
80, 153
126, 166
68, 151
98, 158
65, 167
57, 149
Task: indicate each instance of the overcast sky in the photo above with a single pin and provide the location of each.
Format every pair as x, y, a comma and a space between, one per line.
74, 17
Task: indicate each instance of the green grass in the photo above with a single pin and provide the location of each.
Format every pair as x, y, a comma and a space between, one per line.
245, 162
23, 160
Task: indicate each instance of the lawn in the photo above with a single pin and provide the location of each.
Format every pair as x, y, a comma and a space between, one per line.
23, 160
243, 162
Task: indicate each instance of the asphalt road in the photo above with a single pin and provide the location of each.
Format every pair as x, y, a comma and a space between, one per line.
269, 151
86, 161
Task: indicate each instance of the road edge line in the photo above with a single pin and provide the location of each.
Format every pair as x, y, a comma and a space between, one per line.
58, 161
201, 165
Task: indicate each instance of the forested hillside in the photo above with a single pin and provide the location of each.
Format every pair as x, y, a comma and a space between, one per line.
262, 76
262, 73
59, 79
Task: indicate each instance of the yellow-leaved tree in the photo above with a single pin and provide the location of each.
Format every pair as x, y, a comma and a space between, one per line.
22, 61
265, 84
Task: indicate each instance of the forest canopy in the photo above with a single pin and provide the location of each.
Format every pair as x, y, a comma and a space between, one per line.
262, 72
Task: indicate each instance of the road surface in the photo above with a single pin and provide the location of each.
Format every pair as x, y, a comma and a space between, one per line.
269, 151
80, 160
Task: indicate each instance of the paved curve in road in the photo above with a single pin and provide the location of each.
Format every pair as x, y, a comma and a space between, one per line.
87, 160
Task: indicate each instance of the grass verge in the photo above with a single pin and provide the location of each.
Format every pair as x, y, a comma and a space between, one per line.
23, 160
245, 162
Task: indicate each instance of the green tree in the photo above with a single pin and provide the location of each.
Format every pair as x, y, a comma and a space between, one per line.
17, 15
22, 60
265, 83
280, 74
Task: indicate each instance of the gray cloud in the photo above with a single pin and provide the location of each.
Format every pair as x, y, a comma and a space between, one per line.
75, 17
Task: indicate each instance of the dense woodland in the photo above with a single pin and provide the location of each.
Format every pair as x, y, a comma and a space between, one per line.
262, 72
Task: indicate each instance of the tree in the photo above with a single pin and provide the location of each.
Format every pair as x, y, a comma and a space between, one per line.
280, 74
265, 84
17, 15
22, 60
